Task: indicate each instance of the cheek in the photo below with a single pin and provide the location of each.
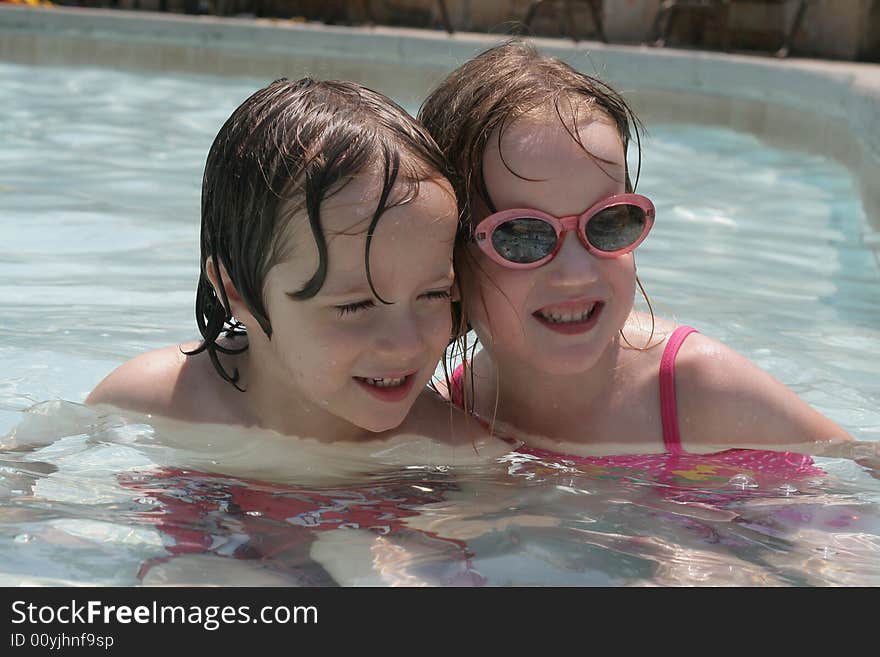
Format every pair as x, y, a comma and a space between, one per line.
435, 325
623, 275
341, 342
494, 301
317, 354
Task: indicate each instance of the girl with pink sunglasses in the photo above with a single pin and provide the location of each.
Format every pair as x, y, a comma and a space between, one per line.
546, 268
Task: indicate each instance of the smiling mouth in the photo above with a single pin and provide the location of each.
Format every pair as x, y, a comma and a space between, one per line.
388, 388
568, 316
383, 382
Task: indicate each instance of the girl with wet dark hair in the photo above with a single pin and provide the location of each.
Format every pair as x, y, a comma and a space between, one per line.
326, 276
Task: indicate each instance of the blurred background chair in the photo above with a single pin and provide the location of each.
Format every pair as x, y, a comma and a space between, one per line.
718, 12
595, 7
334, 9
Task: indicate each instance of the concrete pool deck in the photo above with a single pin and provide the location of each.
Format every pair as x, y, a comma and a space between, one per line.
826, 107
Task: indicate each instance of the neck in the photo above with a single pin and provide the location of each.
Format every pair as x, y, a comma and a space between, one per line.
549, 404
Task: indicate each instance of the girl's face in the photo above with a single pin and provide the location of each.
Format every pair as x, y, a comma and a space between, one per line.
536, 317
344, 351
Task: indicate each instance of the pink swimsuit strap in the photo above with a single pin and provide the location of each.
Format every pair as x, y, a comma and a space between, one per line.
456, 386
668, 406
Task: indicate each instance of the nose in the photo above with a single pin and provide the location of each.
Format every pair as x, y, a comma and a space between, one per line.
399, 340
573, 265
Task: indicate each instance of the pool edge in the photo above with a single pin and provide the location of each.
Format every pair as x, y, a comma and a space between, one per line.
832, 108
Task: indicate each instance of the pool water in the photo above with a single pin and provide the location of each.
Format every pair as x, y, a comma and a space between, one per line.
100, 176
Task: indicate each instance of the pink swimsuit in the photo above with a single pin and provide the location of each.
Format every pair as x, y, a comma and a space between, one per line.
676, 465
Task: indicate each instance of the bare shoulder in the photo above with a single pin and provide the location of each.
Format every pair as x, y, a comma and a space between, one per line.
725, 399
165, 381
644, 330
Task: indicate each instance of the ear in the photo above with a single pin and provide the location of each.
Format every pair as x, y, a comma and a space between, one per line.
218, 276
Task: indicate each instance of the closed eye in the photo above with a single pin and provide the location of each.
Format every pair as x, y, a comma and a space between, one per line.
357, 306
437, 294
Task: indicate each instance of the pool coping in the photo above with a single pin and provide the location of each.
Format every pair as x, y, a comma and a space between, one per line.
828, 107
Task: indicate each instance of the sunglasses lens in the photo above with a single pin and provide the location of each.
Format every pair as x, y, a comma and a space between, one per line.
616, 228
524, 240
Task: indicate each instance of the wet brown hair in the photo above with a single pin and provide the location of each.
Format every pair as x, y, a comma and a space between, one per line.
487, 94
495, 88
286, 148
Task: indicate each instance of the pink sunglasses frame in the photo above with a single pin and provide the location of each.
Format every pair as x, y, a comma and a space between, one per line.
562, 225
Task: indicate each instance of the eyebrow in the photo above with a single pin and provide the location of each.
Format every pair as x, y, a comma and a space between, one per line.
356, 290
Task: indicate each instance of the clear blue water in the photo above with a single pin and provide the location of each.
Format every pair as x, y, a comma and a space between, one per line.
99, 198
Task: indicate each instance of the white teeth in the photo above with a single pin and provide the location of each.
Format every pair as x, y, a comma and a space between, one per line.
563, 318
384, 383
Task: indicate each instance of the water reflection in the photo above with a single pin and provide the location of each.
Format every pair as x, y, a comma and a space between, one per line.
96, 507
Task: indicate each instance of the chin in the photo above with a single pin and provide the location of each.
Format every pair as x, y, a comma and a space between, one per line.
567, 362
382, 423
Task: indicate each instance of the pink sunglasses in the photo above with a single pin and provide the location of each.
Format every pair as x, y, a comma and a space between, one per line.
524, 239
